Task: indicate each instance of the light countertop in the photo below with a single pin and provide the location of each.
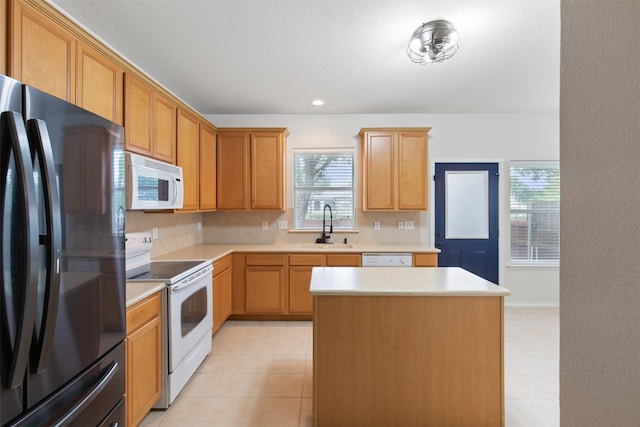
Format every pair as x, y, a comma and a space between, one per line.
215, 252
400, 281
137, 291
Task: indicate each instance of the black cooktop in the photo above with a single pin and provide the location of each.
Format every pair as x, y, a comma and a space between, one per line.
163, 271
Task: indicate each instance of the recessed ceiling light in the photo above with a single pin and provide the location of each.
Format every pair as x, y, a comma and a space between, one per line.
317, 102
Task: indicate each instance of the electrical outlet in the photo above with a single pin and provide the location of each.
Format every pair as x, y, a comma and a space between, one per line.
408, 225
154, 233
400, 225
283, 225
376, 225
265, 225
199, 226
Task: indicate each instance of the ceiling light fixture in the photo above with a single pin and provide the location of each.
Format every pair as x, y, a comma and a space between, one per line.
433, 41
317, 102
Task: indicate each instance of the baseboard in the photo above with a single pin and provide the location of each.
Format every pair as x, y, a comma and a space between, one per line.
532, 304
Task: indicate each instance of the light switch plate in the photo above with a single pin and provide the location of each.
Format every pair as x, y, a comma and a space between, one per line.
283, 225
400, 225
408, 225
154, 233
265, 225
376, 225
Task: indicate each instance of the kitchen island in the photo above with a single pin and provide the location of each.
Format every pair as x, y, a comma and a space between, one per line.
407, 347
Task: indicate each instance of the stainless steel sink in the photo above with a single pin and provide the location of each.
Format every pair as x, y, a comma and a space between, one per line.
337, 246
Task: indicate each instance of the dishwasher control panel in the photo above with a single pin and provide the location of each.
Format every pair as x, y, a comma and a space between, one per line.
387, 259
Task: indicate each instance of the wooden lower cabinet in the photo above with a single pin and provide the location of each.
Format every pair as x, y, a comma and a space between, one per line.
300, 266
144, 357
276, 285
221, 292
429, 259
265, 281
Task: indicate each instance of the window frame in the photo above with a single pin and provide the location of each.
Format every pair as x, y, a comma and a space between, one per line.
532, 262
325, 151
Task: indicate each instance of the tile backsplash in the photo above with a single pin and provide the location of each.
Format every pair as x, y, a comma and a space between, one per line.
175, 231
178, 231
246, 227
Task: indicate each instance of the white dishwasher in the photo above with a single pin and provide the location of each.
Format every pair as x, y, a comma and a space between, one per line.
387, 259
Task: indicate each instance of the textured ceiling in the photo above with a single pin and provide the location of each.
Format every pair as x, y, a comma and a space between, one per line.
276, 56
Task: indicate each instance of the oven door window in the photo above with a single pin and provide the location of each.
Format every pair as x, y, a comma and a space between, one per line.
193, 310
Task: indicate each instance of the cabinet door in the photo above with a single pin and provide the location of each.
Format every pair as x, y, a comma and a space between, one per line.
232, 170
300, 266
99, 84
138, 111
425, 260
164, 128
144, 357
143, 367
267, 171
344, 260
43, 54
221, 298
412, 170
189, 158
207, 168
379, 171
3, 41
300, 300
265, 281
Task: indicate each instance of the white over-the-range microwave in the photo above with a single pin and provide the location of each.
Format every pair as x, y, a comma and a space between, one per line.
152, 184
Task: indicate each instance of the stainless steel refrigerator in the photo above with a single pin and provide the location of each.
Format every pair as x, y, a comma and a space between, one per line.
62, 300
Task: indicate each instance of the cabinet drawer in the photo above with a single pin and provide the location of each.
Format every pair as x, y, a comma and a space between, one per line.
142, 312
306, 259
222, 264
265, 259
425, 260
344, 260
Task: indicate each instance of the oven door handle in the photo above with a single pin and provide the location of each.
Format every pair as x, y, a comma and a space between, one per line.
191, 280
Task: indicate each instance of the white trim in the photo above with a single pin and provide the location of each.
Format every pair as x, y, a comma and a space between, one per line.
531, 304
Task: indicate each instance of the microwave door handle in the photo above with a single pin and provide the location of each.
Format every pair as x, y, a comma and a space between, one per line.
13, 130
52, 240
175, 191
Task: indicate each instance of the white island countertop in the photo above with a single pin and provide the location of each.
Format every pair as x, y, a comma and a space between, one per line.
400, 281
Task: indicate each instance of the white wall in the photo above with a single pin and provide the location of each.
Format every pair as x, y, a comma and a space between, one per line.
496, 137
600, 225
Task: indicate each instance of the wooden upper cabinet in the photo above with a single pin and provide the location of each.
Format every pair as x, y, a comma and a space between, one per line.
188, 157
250, 167
395, 168
233, 170
207, 167
3, 40
42, 53
138, 112
164, 128
150, 121
379, 166
267, 170
100, 84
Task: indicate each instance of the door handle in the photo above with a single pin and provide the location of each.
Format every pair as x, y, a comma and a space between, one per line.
42, 149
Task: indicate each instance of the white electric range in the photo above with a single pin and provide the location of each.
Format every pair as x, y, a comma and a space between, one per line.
188, 311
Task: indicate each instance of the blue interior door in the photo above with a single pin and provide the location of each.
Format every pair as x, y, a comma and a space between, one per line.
466, 217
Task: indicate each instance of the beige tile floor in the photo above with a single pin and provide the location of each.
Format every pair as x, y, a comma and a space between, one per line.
259, 374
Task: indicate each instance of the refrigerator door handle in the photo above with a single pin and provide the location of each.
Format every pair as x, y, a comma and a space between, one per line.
88, 397
52, 240
13, 131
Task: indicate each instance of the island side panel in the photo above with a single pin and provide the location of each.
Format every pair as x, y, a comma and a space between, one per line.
408, 360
